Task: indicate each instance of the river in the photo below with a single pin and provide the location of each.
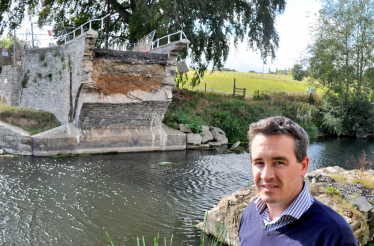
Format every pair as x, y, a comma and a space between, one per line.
76, 200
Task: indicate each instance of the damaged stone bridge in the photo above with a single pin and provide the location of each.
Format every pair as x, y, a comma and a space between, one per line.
107, 101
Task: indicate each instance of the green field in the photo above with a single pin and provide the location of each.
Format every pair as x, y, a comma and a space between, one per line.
223, 82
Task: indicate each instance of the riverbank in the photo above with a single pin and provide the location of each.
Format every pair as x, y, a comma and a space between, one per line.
349, 193
233, 115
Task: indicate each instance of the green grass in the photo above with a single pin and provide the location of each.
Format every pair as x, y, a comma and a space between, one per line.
31, 120
223, 82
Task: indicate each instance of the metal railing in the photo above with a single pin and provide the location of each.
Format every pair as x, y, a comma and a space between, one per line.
81, 28
157, 41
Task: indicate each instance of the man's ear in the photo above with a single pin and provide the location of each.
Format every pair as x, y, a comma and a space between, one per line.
304, 166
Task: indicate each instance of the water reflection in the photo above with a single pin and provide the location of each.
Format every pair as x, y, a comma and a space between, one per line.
74, 201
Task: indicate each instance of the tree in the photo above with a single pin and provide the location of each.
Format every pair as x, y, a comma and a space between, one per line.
298, 73
342, 62
344, 41
6, 41
208, 24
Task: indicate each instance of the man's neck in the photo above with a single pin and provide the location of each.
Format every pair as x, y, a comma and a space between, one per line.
275, 211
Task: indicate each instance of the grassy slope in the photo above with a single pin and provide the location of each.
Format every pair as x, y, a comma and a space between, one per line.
31, 120
234, 115
224, 81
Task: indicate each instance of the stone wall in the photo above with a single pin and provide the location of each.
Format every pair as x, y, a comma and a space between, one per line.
10, 86
15, 140
54, 77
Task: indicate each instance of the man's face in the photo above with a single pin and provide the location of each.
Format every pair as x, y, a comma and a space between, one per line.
276, 172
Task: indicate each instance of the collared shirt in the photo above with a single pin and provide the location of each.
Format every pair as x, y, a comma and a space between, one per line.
297, 208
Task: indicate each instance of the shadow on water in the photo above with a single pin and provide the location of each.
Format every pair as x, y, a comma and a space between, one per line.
75, 200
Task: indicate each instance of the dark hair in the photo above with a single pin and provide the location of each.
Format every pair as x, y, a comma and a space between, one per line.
279, 125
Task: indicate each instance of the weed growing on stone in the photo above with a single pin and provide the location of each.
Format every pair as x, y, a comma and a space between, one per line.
45, 64
25, 81
42, 56
69, 63
56, 53
365, 180
347, 208
332, 191
49, 76
350, 209
340, 178
39, 75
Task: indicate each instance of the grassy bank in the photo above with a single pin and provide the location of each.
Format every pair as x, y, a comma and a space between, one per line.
233, 115
31, 120
223, 82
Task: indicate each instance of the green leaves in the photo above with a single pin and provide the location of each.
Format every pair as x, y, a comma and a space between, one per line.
208, 24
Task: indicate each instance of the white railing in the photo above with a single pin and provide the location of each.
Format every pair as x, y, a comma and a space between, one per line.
157, 41
81, 28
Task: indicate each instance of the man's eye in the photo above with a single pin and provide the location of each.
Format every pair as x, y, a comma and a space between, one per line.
279, 163
259, 163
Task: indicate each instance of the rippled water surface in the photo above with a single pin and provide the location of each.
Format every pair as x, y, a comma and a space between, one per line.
76, 200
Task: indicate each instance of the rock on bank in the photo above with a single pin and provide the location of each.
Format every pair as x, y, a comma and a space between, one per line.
350, 193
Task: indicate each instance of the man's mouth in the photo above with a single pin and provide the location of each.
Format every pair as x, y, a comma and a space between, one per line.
269, 186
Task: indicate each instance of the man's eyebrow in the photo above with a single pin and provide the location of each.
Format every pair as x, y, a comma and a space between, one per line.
280, 158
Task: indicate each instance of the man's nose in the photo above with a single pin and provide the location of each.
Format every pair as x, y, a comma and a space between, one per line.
267, 172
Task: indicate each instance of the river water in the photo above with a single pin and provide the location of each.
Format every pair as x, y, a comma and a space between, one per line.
76, 200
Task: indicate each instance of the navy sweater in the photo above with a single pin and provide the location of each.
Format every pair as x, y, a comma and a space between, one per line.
319, 225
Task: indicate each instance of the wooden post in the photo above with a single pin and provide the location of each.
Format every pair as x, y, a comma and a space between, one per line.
205, 88
244, 94
234, 87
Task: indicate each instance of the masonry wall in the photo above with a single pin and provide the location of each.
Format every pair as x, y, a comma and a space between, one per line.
54, 76
10, 86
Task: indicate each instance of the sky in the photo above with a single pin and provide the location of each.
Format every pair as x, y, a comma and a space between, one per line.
293, 29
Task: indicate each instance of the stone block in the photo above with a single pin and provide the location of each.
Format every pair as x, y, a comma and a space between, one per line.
216, 130
362, 204
205, 128
206, 136
24, 148
193, 138
24, 152
26, 140
218, 135
2, 152
214, 144
185, 128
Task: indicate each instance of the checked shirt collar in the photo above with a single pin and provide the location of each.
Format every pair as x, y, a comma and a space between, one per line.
297, 208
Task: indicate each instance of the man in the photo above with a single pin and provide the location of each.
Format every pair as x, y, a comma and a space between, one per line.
286, 213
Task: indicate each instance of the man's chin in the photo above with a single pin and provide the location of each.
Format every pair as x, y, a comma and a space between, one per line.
268, 199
